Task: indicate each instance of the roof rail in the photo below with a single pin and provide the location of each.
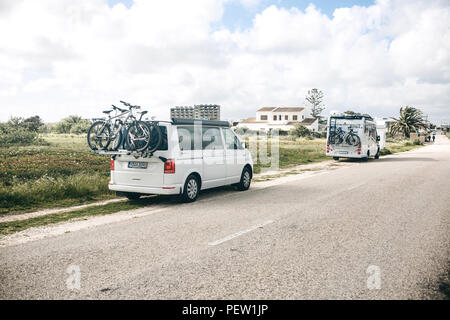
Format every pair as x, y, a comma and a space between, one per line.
215, 123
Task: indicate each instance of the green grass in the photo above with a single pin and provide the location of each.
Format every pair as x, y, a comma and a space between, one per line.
400, 146
292, 152
20, 225
63, 173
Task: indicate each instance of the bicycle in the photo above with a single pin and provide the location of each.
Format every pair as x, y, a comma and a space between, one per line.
99, 135
138, 134
337, 137
350, 138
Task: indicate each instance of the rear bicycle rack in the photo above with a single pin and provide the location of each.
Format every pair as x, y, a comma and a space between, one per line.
120, 152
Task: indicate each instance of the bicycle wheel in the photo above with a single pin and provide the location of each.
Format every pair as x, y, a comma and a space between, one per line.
155, 137
98, 135
138, 136
337, 138
353, 140
116, 139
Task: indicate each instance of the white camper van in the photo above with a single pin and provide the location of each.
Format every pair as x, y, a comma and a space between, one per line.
352, 136
194, 155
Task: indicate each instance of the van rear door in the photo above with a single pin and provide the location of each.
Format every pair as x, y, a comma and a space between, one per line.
142, 172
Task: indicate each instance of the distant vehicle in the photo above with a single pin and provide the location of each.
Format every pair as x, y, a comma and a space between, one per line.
194, 155
352, 136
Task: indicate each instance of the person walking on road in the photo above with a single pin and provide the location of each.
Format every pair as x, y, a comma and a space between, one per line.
434, 137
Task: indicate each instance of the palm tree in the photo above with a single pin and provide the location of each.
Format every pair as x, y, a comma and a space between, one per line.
410, 120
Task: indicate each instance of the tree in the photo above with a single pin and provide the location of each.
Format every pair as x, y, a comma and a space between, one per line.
300, 131
66, 124
33, 123
410, 120
315, 98
352, 113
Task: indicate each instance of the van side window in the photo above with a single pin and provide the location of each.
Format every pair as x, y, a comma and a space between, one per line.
231, 141
212, 139
186, 139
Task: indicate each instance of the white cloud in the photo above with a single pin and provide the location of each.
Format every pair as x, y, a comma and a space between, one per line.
77, 56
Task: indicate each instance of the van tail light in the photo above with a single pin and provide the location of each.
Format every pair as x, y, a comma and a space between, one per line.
359, 148
169, 166
328, 146
112, 164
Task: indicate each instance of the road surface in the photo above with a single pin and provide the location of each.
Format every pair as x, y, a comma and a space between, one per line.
369, 230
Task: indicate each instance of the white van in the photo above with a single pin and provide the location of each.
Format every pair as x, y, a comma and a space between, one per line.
352, 136
194, 155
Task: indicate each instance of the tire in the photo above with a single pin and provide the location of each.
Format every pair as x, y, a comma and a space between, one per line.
353, 140
155, 137
94, 141
246, 180
191, 189
138, 136
117, 141
377, 156
129, 195
365, 159
336, 158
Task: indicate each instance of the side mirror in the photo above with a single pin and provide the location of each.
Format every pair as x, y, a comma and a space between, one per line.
378, 138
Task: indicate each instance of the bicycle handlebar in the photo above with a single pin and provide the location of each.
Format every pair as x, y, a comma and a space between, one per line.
117, 108
129, 105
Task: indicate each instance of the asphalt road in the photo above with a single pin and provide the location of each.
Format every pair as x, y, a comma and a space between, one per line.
370, 230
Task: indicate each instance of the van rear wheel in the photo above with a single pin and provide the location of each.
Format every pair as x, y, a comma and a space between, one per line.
377, 156
130, 195
191, 189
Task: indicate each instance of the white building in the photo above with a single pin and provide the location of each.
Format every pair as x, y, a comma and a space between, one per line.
283, 118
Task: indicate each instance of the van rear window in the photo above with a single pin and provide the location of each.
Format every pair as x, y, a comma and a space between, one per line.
163, 145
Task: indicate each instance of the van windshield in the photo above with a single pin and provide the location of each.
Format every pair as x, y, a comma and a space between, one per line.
342, 126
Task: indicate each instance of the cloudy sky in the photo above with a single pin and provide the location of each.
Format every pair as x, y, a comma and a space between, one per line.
62, 57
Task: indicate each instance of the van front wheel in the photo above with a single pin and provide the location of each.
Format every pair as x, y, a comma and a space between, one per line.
246, 180
191, 189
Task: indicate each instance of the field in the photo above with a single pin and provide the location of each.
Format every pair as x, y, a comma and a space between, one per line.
65, 172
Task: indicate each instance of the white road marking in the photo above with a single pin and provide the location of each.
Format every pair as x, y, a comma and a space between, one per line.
356, 186
240, 233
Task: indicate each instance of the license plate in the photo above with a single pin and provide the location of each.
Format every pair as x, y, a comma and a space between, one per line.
343, 152
137, 165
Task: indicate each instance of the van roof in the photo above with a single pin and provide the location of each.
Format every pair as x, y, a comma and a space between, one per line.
342, 116
214, 123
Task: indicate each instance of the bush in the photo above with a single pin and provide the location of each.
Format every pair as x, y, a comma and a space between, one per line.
80, 127
300, 131
417, 142
74, 122
20, 131
18, 136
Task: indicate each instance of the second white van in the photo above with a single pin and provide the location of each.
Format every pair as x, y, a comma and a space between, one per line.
193, 155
